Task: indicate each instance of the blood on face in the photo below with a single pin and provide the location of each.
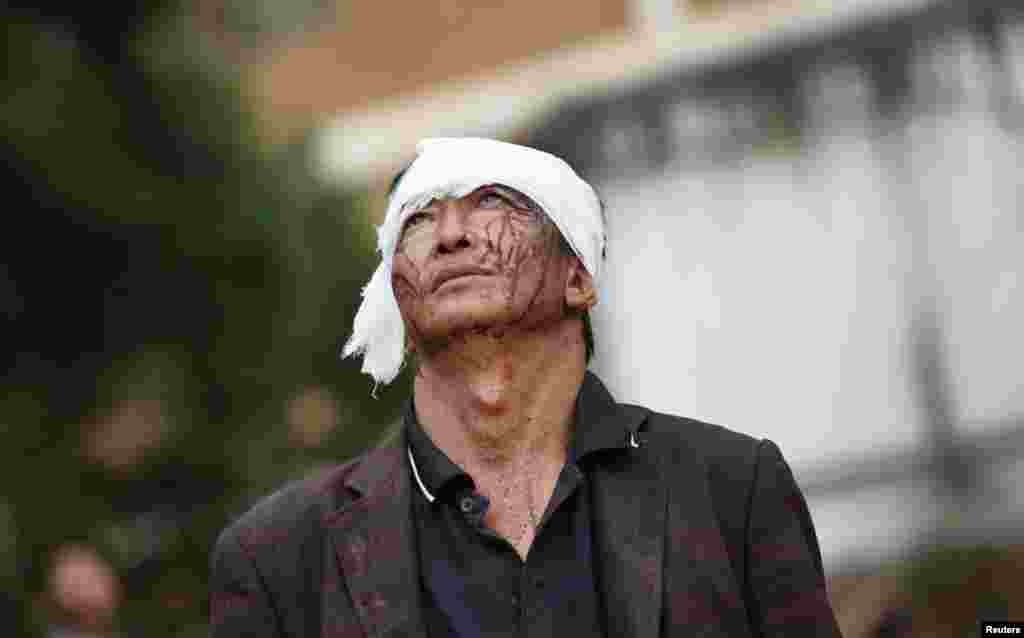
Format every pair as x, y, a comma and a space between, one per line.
496, 230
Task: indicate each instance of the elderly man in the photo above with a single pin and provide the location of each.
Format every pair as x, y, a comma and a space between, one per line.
520, 497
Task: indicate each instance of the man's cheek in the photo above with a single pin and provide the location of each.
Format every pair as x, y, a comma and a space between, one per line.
404, 293
508, 238
497, 240
407, 273
519, 258
407, 294
402, 262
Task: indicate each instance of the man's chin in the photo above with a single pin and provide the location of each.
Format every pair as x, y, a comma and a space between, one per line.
438, 334
454, 331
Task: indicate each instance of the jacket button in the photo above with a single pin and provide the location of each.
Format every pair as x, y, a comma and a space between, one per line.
467, 504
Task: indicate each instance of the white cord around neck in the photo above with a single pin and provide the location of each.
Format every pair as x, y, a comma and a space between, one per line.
416, 474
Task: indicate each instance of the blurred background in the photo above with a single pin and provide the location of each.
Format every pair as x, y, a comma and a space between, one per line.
815, 236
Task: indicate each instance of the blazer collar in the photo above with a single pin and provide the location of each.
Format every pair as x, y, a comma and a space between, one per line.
374, 546
374, 542
610, 425
630, 500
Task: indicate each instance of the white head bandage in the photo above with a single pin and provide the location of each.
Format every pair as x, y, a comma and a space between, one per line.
453, 168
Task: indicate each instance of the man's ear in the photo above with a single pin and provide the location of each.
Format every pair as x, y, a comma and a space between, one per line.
580, 294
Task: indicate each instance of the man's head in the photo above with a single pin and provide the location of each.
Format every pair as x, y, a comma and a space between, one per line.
488, 262
479, 236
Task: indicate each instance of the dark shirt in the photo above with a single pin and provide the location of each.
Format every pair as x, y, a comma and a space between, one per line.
473, 583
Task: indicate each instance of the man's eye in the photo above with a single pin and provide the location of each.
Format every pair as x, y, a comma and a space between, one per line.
494, 200
416, 218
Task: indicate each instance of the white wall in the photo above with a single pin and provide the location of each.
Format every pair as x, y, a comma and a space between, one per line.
775, 296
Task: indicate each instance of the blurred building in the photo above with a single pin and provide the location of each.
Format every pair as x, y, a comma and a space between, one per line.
814, 209
836, 215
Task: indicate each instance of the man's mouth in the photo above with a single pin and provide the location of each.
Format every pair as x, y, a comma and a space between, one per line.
450, 274
457, 279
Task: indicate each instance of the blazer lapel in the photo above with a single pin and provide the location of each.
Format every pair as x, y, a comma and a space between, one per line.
629, 501
702, 597
374, 546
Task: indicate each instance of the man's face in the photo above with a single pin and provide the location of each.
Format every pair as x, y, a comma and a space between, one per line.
488, 261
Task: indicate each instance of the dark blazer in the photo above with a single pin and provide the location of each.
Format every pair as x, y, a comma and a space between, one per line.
700, 531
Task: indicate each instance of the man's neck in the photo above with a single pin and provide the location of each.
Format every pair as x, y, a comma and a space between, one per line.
503, 405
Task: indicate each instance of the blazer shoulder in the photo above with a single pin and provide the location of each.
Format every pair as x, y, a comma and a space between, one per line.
708, 440
290, 512
728, 462
727, 459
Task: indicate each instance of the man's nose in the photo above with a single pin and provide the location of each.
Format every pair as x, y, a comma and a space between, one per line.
452, 231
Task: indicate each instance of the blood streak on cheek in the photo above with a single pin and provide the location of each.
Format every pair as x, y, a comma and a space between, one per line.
534, 250
406, 278
500, 239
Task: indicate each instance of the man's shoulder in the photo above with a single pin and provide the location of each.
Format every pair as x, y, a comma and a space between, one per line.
700, 435
726, 460
719, 448
294, 510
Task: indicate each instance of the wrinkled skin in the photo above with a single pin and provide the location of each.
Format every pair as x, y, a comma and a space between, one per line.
501, 354
494, 229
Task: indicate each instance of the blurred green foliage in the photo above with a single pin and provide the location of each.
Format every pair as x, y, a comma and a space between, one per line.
168, 276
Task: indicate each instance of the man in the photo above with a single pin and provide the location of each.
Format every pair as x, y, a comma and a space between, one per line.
520, 498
